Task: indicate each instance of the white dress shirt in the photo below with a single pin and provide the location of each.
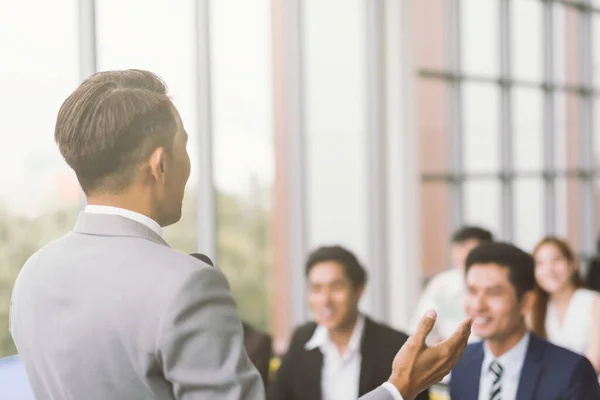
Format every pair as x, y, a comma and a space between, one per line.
340, 376
142, 219
511, 362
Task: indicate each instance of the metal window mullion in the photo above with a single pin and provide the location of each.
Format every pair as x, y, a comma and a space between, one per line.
295, 128
206, 219
549, 134
88, 53
88, 60
506, 123
455, 115
588, 217
377, 158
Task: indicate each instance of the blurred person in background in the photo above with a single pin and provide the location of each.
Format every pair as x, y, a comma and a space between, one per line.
565, 312
510, 362
445, 291
344, 353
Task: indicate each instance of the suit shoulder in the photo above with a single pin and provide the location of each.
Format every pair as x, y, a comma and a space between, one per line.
472, 351
559, 356
302, 334
179, 263
386, 332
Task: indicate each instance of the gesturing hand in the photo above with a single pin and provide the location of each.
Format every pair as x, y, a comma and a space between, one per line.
417, 366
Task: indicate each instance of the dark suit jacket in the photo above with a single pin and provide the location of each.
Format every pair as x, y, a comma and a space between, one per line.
593, 275
549, 373
258, 347
299, 376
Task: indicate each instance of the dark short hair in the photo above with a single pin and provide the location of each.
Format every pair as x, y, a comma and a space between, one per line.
352, 267
465, 233
111, 123
520, 264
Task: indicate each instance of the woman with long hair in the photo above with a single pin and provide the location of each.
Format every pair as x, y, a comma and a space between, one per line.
565, 313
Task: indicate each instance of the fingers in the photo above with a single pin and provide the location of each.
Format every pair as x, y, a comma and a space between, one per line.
456, 344
425, 326
464, 330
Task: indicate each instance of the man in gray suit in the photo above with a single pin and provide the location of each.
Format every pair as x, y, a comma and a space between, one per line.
110, 311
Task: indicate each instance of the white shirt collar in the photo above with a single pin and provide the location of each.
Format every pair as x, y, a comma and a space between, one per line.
512, 361
142, 219
320, 337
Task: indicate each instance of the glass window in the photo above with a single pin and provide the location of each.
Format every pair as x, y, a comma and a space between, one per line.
567, 131
527, 129
335, 109
243, 151
39, 195
479, 133
128, 38
480, 41
481, 126
529, 212
566, 41
596, 49
482, 204
526, 37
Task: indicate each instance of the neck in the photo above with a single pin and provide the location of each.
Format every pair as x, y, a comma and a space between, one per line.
499, 347
562, 297
341, 335
127, 201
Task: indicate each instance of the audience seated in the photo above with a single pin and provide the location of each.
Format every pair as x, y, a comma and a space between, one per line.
565, 312
510, 362
344, 353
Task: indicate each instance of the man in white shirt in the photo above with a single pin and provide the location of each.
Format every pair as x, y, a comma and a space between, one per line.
446, 290
512, 363
344, 354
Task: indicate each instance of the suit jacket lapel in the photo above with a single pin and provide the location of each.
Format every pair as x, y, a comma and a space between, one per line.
312, 364
531, 371
368, 357
472, 390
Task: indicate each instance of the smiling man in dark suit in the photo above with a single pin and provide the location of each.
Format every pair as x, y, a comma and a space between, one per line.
511, 363
344, 354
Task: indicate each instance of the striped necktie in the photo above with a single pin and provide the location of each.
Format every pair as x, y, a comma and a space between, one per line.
496, 371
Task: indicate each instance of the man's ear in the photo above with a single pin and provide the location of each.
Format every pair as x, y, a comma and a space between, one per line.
528, 301
156, 162
359, 291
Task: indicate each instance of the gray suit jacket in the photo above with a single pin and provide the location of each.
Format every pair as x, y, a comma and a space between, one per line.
110, 311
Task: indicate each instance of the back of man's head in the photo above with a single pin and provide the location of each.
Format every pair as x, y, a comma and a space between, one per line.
464, 240
520, 264
470, 232
111, 123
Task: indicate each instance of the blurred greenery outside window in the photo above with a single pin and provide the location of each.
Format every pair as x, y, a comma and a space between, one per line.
243, 239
